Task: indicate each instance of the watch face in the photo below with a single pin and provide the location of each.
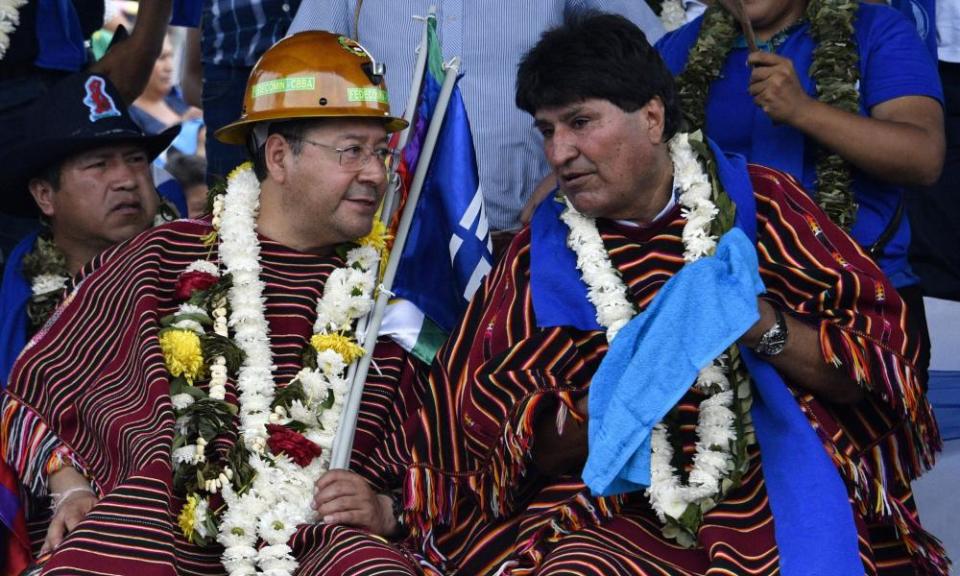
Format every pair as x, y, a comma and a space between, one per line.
773, 340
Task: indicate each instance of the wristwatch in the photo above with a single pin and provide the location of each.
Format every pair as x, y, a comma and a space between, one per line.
774, 339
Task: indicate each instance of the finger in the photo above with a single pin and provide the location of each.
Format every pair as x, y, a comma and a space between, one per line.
335, 491
54, 535
344, 505
762, 58
761, 74
332, 477
347, 518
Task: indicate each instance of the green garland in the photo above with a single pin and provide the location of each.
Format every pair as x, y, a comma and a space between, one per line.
835, 71
44, 259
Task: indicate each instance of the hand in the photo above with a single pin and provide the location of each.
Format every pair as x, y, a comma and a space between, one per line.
344, 497
776, 89
70, 512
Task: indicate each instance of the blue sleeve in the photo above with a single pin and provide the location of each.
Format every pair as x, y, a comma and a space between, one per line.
675, 46
186, 13
636, 11
894, 61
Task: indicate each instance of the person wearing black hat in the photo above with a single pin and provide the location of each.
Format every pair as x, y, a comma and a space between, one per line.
84, 169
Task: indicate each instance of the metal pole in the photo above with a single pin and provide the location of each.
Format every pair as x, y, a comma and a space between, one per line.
343, 441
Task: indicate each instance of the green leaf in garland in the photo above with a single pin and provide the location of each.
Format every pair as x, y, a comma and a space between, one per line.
214, 345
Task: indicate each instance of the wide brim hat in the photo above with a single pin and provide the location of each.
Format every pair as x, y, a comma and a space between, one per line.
80, 113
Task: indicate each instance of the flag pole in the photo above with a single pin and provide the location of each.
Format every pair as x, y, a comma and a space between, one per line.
408, 113
393, 183
343, 440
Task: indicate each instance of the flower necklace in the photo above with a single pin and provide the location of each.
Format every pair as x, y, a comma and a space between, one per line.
9, 20
720, 448
672, 15
285, 433
834, 70
45, 268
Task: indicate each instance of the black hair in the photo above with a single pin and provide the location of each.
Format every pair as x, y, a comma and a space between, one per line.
596, 55
52, 174
292, 130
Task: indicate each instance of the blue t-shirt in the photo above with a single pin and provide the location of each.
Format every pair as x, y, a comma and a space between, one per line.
893, 63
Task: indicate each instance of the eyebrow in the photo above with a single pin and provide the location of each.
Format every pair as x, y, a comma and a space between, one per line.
565, 116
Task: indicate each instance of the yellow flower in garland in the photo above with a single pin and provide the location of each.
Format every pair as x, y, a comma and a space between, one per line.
187, 518
377, 238
182, 353
342, 345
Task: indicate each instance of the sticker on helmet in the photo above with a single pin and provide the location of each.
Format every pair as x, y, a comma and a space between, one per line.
368, 94
352, 46
298, 84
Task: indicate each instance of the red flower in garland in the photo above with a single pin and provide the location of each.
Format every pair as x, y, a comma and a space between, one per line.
188, 282
292, 443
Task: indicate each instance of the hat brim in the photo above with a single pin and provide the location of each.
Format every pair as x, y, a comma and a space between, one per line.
26, 161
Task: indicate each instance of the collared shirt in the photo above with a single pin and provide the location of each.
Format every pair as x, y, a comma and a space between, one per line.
237, 32
490, 37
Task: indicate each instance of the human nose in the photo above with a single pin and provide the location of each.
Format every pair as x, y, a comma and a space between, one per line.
561, 149
373, 171
123, 175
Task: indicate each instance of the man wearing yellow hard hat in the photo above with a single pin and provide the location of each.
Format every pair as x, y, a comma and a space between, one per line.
176, 416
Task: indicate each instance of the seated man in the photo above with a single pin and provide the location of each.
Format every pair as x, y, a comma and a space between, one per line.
812, 479
84, 167
174, 416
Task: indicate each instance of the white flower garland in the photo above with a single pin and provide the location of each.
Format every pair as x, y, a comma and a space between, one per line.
716, 430
672, 14
277, 500
9, 20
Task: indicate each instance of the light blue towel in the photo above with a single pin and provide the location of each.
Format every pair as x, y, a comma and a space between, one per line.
710, 303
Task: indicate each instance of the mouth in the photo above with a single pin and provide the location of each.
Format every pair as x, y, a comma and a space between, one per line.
364, 204
127, 208
572, 181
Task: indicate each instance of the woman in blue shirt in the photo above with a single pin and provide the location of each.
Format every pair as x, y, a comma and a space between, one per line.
842, 95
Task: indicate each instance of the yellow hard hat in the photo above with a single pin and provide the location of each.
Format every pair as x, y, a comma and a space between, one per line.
313, 75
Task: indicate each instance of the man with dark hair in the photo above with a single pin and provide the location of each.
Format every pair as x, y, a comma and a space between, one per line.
739, 366
84, 168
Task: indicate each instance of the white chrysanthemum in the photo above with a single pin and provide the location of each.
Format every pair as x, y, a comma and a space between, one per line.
48, 283
188, 324
365, 256
275, 528
188, 455
200, 518
204, 266
187, 308
301, 413
330, 363
181, 401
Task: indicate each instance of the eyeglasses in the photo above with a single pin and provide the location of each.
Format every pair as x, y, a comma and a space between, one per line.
356, 156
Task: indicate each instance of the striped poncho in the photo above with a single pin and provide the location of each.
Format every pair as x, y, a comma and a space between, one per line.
478, 505
92, 388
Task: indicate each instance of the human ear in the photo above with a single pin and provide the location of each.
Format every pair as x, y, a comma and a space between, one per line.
43, 194
655, 115
276, 153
